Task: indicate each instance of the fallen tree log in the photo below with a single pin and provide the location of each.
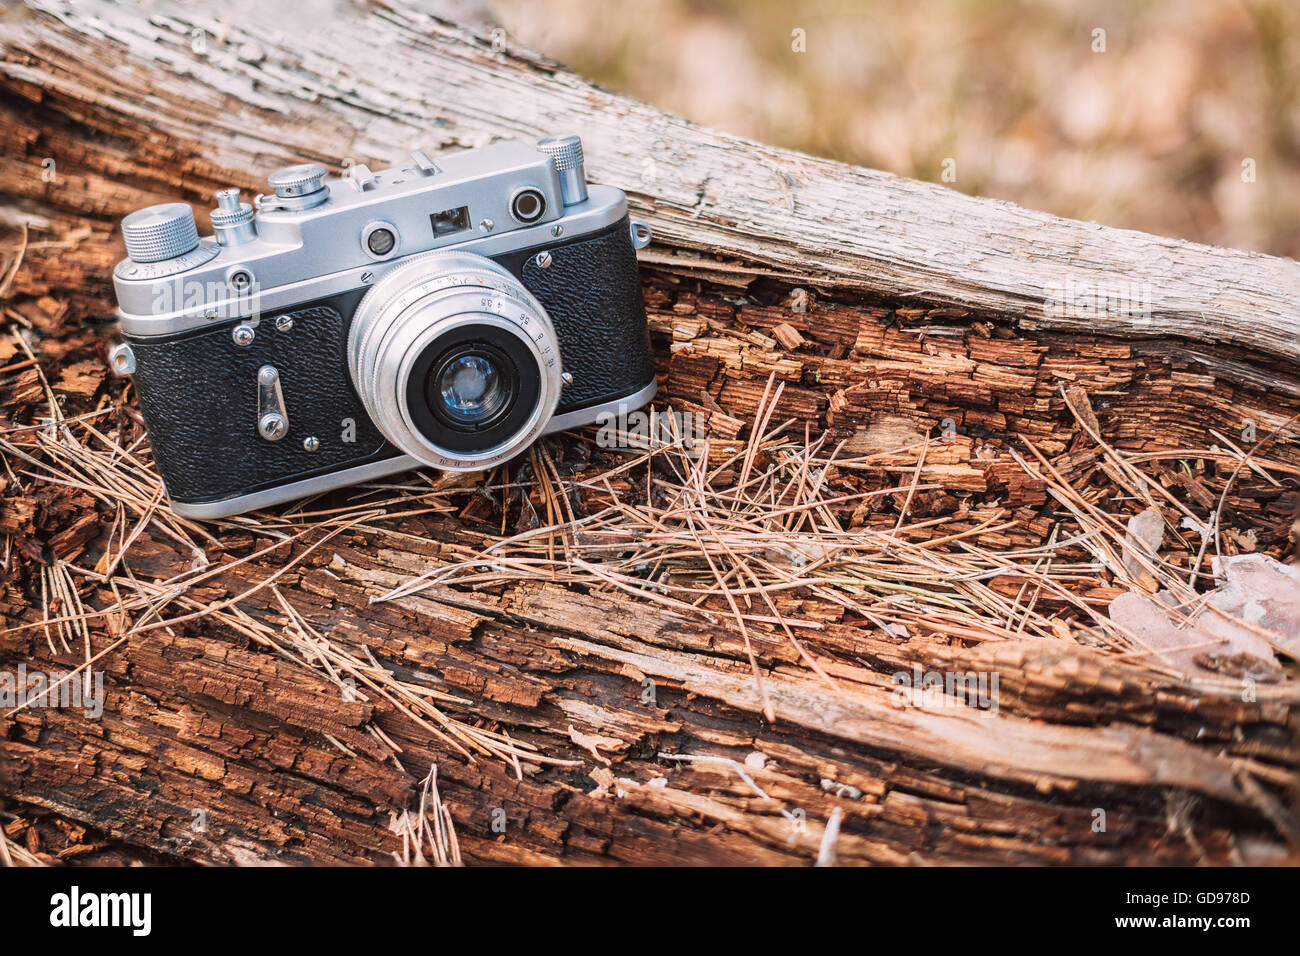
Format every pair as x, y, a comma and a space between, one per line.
989, 378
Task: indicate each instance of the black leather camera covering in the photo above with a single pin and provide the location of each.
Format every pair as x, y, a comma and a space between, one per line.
198, 393
198, 389
592, 292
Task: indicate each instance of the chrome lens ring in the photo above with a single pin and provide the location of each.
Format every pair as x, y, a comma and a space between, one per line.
417, 305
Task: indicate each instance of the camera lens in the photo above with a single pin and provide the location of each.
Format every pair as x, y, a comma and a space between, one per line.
456, 362
470, 386
528, 205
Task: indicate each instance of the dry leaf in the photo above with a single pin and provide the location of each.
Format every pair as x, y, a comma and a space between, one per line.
1146, 532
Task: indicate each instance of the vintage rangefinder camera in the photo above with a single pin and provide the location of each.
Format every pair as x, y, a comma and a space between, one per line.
445, 313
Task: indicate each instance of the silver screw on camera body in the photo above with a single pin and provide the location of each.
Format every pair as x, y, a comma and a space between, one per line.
543, 260
272, 426
242, 334
283, 323
310, 443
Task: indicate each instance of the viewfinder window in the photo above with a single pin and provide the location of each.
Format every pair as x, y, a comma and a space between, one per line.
450, 220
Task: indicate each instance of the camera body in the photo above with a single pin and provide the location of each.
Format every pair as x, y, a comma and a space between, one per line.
444, 313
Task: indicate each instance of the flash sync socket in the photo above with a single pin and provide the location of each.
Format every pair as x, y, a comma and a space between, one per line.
240, 280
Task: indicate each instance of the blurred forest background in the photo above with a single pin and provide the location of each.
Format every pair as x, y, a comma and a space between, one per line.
1158, 124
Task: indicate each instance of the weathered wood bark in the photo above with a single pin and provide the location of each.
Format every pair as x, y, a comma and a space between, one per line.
885, 306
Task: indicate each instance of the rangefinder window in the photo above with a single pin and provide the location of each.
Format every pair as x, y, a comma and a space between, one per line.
450, 220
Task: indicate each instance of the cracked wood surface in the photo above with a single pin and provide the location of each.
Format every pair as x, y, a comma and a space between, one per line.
374, 82
927, 309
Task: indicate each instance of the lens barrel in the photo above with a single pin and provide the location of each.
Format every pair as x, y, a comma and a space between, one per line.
455, 361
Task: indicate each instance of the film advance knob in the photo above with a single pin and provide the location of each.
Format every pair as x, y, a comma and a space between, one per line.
157, 233
300, 180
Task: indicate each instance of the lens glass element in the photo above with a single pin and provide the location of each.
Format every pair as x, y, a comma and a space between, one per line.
471, 388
